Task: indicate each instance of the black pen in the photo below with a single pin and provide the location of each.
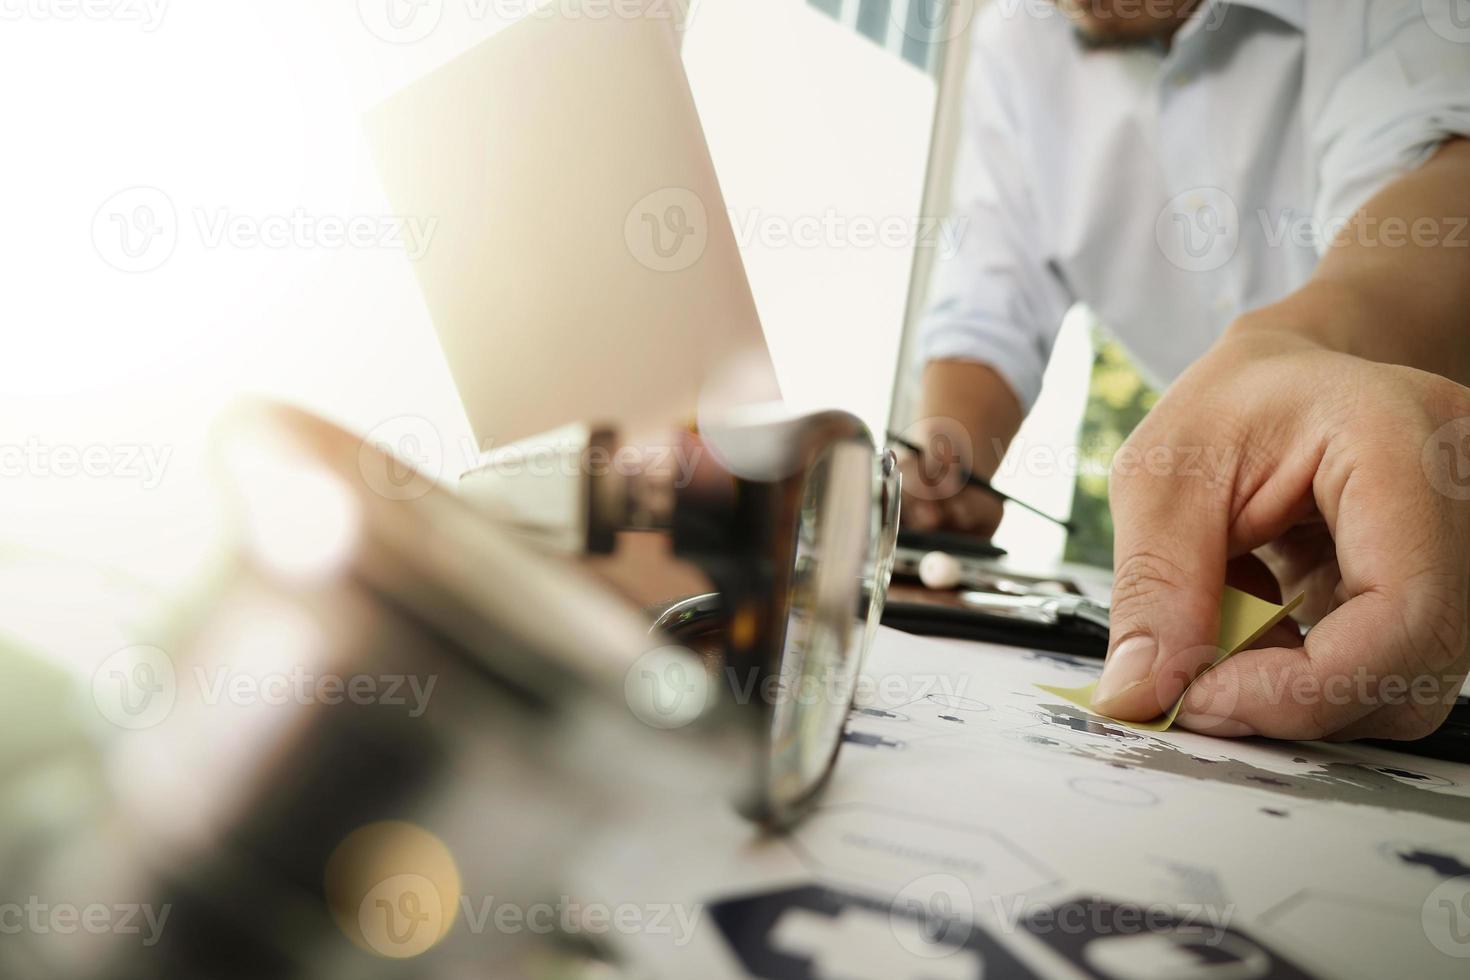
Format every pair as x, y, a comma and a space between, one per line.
975, 480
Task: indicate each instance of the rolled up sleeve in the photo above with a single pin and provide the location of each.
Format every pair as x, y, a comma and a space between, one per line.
995, 298
1387, 115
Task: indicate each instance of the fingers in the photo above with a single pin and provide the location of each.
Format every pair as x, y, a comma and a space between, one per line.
937, 498
1304, 561
923, 495
1258, 692
1355, 676
1170, 547
921, 514
974, 511
1390, 651
1420, 714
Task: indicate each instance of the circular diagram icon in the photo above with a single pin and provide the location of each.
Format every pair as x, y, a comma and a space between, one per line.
393, 888
667, 688
1450, 19
933, 916
1446, 459
1199, 230
933, 21
136, 230
402, 916
136, 687
668, 230
400, 21
402, 458
1446, 917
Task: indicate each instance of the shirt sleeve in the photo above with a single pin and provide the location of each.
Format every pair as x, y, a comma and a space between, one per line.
1409, 93
994, 298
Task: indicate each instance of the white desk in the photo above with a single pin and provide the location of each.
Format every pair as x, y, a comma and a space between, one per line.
967, 792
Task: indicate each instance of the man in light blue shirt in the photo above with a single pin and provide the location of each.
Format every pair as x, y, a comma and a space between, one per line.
1268, 201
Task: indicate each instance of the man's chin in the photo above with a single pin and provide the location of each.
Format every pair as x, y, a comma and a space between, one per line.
1104, 37
1098, 26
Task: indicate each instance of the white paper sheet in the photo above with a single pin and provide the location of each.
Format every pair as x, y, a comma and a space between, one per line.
969, 795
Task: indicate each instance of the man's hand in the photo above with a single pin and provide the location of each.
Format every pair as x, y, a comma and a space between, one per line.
1350, 480
936, 498
969, 415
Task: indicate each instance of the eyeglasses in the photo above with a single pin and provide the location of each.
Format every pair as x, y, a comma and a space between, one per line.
804, 574
793, 520
846, 537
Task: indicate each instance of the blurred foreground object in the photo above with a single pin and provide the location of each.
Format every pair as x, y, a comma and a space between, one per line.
388, 705
390, 709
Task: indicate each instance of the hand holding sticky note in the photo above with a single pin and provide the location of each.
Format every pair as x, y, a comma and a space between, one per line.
1244, 619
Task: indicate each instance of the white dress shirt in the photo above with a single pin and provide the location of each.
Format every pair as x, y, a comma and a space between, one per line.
1172, 191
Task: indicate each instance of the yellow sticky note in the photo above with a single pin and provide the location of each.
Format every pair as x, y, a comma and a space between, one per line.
1244, 619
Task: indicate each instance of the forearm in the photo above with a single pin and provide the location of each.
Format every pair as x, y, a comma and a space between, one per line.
979, 399
1395, 285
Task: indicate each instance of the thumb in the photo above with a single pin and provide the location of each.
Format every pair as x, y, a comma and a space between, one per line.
1170, 542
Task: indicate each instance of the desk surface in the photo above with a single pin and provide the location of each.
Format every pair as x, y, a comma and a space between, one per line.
976, 827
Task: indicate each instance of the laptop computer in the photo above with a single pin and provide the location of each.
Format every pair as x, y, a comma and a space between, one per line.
583, 265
